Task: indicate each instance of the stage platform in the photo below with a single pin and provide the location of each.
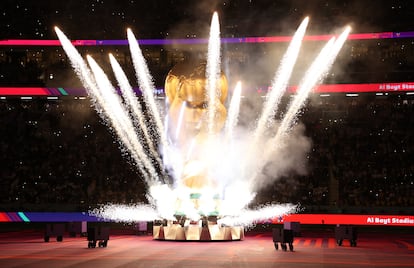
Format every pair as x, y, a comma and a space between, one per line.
312, 249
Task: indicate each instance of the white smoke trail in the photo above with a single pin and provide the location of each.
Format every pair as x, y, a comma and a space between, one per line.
280, 81
126, 213
180, 120
315, 74
136, 112
312, 76
338, 46
167, 200
121, 121
88, 81
233, 113
133, 104
81, 69
276, 143
249, 217
236, 198
213, 70
146, 85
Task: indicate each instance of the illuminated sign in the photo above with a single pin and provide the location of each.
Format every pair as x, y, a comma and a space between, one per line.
193, 41
330, 219
325, 88
353, 219
360, 88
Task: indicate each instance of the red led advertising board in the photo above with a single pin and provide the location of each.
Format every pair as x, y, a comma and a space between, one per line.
331, 219
323, 88
356, 219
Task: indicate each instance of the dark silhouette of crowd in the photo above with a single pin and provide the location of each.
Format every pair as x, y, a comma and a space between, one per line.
59, 155
360, 159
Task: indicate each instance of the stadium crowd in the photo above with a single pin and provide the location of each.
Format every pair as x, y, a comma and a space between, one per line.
58, 154
360, 157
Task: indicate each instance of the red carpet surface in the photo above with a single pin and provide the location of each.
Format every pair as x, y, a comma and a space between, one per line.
28, 249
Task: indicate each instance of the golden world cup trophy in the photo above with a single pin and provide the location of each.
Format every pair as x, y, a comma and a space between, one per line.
186, 89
